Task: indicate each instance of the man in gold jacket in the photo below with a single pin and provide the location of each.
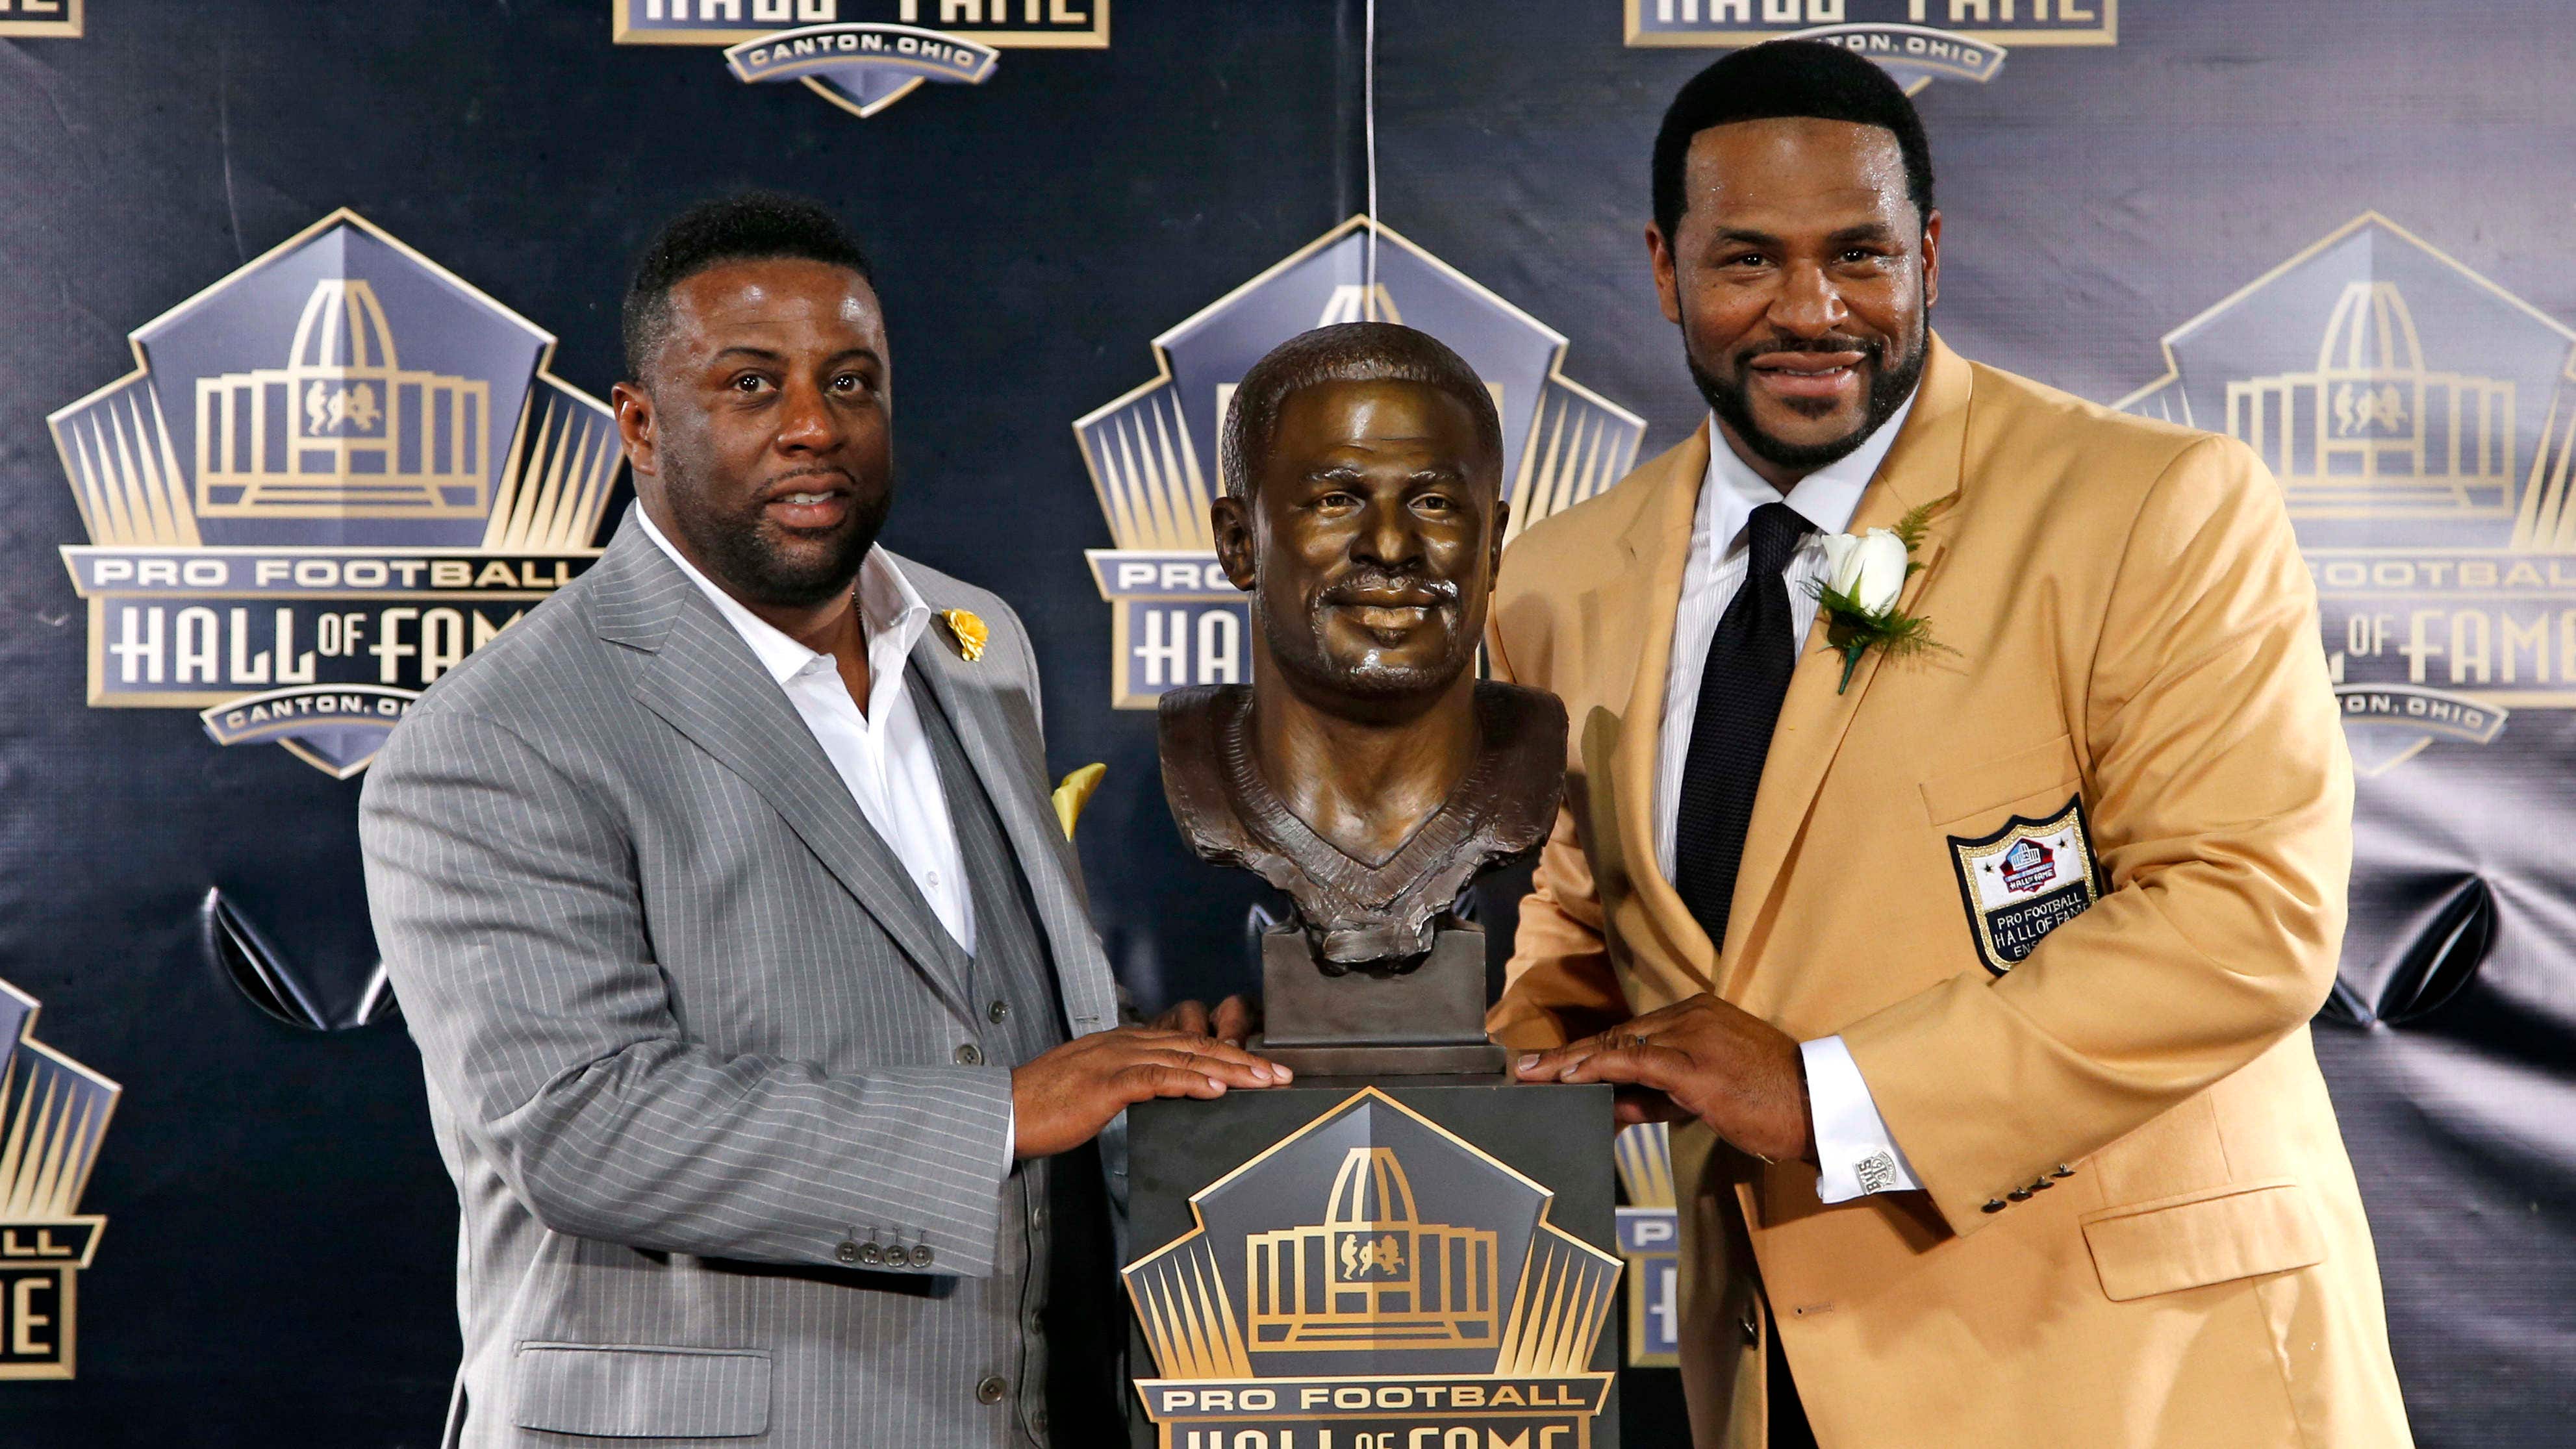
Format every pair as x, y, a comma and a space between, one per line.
1979, 959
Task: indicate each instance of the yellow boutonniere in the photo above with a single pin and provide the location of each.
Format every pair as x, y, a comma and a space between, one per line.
969, 631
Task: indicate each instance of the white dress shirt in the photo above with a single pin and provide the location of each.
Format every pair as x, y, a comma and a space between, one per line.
882, 756
1852, 1142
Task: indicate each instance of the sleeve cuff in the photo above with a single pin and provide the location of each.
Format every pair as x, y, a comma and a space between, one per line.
1011, 1135
1854, 1152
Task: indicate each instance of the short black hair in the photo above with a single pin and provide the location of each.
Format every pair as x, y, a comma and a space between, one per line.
746, 226
1348, 352
1783, 78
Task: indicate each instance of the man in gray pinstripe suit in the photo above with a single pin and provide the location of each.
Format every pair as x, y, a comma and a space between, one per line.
765, 1033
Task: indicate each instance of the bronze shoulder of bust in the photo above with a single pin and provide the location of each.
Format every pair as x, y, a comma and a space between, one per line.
1357, 914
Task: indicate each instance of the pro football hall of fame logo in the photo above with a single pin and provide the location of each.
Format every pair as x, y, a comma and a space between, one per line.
53, 1114
864, 55
1917, 41
1153, 454
330, 477
1373, 1280
2422, 423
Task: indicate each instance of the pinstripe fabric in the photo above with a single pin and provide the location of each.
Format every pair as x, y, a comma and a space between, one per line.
688, 1028
1010, 971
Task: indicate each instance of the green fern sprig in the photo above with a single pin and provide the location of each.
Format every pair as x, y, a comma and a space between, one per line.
1909, 531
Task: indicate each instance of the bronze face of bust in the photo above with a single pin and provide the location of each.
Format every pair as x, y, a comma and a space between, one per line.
1365, 771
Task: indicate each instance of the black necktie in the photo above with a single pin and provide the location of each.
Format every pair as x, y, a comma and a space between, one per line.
1749, 660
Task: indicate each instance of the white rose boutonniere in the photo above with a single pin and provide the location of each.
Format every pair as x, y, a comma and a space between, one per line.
1863, 575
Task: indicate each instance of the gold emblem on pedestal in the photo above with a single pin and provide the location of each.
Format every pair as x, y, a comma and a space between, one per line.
1372, 1275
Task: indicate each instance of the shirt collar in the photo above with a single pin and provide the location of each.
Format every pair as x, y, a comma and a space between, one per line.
891, 613
1826, 498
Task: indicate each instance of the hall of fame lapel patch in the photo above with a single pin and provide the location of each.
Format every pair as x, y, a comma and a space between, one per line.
2024, 881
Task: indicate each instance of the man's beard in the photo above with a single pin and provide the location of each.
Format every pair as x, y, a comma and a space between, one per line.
742, 550
1889, 387
1299, 645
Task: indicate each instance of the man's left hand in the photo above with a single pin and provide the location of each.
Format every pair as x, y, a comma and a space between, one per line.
1702, 1058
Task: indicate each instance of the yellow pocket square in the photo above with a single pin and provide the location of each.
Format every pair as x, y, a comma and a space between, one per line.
1074, 793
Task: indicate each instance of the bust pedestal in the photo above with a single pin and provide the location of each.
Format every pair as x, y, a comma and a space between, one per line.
1426, 1021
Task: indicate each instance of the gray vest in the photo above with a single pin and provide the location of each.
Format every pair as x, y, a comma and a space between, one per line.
1055, 1252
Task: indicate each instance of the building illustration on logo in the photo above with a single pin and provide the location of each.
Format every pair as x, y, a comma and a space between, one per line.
2422, 423
53, 1116
364, 437
2029, 865
1152, 454
1373, 1274
330, 477
864, 65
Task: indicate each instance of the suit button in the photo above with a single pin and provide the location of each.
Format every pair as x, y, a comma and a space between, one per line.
921, 1255
1036, 1322
1038, 1420
990, 1391
968, 1056
1037, 1217
847, 1252
2019, 1194
871, 1254
997, 1012
1993, 1205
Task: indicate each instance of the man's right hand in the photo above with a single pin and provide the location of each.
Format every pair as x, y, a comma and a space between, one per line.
1064, 1097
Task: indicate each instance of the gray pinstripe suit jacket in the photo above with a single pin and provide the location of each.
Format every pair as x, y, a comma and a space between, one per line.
692, 1036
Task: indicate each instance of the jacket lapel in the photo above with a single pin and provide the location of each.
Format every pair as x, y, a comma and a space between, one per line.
705, 682
1037, 840
1657, 544
1921, 468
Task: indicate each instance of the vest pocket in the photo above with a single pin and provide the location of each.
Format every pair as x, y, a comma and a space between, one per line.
2214, 1235
642, 1391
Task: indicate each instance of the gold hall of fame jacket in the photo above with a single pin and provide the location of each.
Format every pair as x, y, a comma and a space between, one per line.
2138, 1224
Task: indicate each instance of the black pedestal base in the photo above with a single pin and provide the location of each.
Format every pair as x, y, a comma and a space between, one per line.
1395, 1063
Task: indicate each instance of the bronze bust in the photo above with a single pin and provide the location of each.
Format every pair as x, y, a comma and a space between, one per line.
1360, 912
1365, 770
